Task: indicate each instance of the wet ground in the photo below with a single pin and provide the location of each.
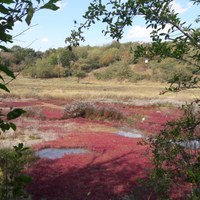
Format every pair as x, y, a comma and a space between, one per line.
84, 158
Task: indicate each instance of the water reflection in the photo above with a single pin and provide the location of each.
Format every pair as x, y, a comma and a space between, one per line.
190, 144
130, 134
52, 153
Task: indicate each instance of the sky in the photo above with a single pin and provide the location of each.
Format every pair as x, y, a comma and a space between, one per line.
50, 28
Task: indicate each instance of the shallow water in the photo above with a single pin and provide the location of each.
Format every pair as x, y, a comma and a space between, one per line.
130, 134
191, 144
52, 153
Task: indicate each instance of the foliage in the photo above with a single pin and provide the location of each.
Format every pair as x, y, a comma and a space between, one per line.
109, 56
176, 160
79, 74
157, 14
63, 63
17, 10
11, 11
176, 155
120, 71
165, 69
65, 57
12, 180
44, 68
91, 111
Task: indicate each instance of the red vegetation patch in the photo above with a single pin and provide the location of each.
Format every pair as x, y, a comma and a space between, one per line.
114, 163
52, 113
19, 103
155, 121
108, 172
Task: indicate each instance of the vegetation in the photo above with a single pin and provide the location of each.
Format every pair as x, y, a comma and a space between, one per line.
12, 180
175, 156
178, 63
104, 62
90, 88
90, 110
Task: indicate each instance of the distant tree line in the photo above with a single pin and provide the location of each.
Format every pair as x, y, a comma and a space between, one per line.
112, 61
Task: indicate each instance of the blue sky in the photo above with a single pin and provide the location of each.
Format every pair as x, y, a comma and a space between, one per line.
50, 28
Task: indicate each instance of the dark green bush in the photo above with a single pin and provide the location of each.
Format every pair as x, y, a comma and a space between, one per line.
176, 156
12, 179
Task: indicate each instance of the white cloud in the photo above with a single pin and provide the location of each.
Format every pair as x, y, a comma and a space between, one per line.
177, 7
45, 39
61, 4
139, 33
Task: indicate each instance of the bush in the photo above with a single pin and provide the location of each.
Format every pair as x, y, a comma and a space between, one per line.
109, 56
12, 179
44, 69
176, 155
79, 74
166, 69
121, 71
90, 110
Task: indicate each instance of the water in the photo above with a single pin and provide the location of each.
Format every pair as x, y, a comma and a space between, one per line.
59, 153
191, 144
130, 134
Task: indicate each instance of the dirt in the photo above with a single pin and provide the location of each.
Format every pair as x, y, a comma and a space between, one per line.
109, 171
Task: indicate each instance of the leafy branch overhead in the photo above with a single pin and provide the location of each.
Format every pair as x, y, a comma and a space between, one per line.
11, 12
18, 10
171, 37
13, 182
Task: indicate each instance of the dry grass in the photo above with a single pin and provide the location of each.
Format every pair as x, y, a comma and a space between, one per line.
90, 89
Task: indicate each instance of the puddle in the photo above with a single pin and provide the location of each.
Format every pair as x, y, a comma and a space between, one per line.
59, 153
191, 144
130, 134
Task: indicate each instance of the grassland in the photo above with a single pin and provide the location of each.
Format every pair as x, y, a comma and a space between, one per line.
63, 88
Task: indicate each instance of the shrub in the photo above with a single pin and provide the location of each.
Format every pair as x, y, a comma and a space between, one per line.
165, 70
79, 74
121, 71
12, 179
90, 110
109, 56
45, 69
176, 155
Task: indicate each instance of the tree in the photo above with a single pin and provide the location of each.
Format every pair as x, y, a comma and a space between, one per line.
11, 11
176, 154
159, 15
80, 74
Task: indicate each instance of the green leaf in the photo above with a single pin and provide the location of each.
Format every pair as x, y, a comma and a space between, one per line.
13, 126
7, 71
3, 10
3, 87
4, 48
4, 126
1, 77
30, 12
23, 178
15, 113
5, 37
7, 1
51, 5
